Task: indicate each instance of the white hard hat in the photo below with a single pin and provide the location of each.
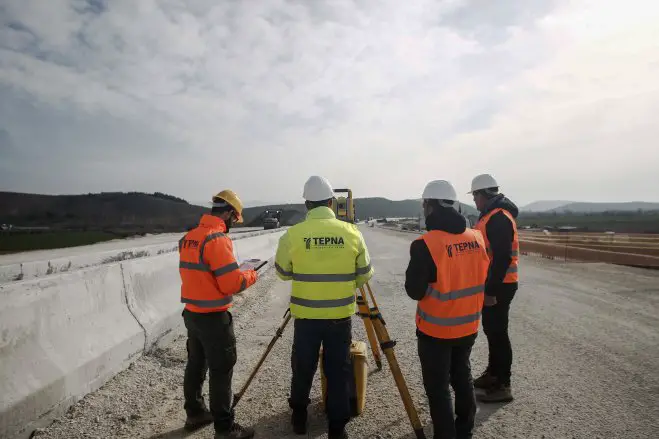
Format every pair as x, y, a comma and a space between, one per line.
439, 190
317, 189
483, 181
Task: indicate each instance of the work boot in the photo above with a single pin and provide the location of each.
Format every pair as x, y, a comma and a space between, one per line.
336, 431
299, 421
235, 432
485, 381
198, 421
497, 393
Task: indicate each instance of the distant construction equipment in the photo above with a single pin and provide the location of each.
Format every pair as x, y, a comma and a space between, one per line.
271, 219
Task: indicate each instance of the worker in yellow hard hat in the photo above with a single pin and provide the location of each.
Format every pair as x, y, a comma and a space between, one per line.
210, 278
229, 197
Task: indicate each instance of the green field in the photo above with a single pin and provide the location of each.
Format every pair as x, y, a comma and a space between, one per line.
18, 242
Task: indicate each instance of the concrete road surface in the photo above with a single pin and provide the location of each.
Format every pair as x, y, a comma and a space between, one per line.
586, 364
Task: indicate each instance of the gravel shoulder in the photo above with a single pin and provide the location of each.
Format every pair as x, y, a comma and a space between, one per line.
585, 339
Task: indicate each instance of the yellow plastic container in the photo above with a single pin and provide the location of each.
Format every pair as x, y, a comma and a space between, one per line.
360, 374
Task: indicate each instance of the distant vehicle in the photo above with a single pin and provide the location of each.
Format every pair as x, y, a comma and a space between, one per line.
271, 219
6, 227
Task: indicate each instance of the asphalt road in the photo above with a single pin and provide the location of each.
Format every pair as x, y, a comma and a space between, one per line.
585, 340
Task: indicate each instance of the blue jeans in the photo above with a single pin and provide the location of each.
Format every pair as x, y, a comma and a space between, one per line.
335, 335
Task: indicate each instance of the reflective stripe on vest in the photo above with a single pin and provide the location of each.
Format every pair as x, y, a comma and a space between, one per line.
455, 294
449, 321
301, 277
322, 303
452, 305
208, 303
204, 267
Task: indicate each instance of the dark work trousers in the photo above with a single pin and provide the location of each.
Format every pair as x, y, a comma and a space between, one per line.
336, 337
495, 326
211, 347
443, 363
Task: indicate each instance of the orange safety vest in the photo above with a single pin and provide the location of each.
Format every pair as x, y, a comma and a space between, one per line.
209, 271
452, 305
512, 275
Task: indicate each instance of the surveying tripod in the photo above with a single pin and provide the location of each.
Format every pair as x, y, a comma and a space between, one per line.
376, 332
375, 328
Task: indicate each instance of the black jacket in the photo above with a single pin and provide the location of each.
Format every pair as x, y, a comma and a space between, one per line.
499, 232
421, 269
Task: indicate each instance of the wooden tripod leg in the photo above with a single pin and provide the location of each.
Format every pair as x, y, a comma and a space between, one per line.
388, 347
370, 331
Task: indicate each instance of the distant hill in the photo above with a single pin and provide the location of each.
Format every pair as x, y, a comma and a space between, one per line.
544, 206
136, 211
159, 212
632, 206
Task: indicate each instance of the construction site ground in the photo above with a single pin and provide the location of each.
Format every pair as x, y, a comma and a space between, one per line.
586, 362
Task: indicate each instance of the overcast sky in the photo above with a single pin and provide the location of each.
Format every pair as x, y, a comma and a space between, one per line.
558, 99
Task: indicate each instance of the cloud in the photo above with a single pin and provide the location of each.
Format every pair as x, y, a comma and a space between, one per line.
190, 97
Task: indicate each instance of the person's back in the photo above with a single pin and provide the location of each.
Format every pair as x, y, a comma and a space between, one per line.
324, 253
326, 259
453, 303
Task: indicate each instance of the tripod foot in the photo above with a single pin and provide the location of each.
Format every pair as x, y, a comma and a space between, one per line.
378, 363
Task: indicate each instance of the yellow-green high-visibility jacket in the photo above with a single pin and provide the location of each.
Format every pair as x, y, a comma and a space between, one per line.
327, 260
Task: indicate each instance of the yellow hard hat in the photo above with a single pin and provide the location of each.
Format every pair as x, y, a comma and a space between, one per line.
228, 196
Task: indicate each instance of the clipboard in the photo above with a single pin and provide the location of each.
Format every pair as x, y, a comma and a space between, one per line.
252, 264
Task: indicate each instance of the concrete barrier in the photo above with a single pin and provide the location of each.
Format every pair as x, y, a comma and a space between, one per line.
41, 263
65, 335
153, 292
41, 268
61, 338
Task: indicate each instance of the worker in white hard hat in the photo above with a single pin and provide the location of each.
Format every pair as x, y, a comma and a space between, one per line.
327, 260
446, 274
498, 225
